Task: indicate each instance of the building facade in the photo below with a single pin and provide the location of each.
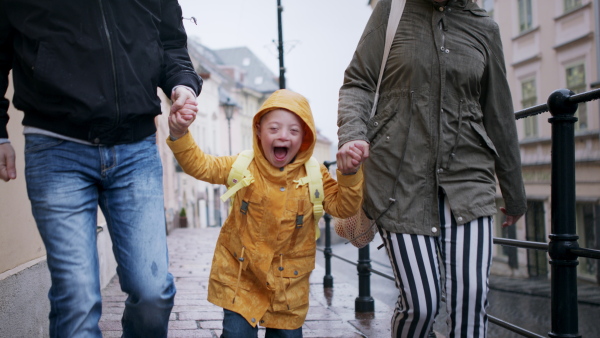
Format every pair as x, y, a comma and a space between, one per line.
550, 45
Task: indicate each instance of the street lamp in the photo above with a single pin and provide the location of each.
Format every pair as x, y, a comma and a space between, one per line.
228, 107
280, 46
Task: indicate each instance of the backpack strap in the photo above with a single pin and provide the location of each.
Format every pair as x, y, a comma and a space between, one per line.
396, 10
314, 179
239, 175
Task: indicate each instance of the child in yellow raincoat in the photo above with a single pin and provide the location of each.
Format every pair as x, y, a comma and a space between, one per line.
266, 249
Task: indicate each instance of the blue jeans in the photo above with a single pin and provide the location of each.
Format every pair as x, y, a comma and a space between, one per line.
236, 326
66, 182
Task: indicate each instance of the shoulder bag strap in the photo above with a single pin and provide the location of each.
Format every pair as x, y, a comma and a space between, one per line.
396, 11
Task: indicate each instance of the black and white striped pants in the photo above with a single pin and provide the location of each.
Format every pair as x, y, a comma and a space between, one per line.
465, 254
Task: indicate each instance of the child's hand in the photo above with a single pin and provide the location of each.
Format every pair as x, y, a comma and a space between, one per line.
351, 155
183, 112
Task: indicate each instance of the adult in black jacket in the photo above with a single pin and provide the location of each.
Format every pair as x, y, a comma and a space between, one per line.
85, 75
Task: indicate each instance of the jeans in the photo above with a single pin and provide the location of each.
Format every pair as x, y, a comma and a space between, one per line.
66, 182
236, 326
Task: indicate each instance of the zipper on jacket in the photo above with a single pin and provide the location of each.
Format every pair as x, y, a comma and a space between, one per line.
112, 61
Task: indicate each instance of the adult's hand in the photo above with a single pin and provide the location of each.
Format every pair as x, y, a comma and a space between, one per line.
183, 111
7, 162
510, 219
351, 155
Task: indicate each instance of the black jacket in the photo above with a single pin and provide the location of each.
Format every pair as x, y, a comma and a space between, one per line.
90, 69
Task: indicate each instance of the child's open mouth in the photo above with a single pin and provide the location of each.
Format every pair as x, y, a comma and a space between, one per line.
280, 153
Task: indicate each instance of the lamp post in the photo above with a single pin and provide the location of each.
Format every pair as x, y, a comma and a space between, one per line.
228, 107
280, 46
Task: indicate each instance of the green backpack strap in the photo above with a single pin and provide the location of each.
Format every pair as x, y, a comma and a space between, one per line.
239, 176
314, 179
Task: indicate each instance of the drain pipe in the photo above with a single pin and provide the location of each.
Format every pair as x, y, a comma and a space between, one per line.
597, 42
597, 85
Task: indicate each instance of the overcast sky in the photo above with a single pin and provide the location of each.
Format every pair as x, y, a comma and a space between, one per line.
319, 37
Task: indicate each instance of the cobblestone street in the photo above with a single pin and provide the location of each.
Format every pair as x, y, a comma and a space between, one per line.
190, 254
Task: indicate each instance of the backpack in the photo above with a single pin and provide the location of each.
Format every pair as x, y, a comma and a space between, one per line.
240, 177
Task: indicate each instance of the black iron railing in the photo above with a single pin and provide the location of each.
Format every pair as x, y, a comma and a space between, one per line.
563, 248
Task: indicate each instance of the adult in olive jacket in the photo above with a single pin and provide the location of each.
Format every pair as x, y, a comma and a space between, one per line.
444, 129
85, 76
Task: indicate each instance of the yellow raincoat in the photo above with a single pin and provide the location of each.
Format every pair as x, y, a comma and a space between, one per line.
263, 258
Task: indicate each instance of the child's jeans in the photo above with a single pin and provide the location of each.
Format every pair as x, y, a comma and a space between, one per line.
235, 326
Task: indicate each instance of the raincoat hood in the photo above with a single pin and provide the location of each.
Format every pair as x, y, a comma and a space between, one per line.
297, 104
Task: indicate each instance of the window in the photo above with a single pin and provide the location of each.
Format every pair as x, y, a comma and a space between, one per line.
535, 227
571, 4
588, 225
576, 83
488, 5
529, 98
525, 15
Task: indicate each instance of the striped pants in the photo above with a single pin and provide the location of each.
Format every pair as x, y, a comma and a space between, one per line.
465, 254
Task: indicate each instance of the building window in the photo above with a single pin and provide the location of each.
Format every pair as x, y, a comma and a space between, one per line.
529, 95
535, 226
525, 15
576, 83
488, 5
588, 226
571, 4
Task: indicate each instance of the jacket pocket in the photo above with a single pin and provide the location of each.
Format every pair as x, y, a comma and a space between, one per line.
298, 221
37, 143
45, 74
226, 264
396, 106
378, 122
298, 263
295, 293
486, 140
293, 280
253, 215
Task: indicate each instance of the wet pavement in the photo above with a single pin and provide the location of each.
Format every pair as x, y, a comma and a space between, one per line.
523, 302
331, 312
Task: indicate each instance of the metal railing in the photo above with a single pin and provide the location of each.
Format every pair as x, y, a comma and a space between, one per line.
563, 248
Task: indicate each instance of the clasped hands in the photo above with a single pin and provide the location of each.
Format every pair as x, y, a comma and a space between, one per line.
183, 112
351, 155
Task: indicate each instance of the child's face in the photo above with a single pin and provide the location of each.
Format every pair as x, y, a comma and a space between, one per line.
280, 133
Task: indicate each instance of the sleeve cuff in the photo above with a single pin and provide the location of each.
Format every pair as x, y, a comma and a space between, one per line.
186, 87
350, 180
181, 144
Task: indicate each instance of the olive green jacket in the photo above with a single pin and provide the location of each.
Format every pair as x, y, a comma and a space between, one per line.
444, 118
